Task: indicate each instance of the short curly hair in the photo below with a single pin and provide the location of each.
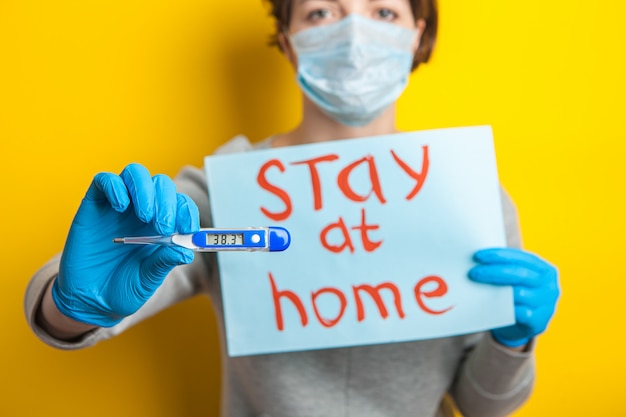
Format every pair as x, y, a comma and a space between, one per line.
422, 9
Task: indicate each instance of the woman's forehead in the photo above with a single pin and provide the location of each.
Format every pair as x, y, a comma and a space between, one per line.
296, 3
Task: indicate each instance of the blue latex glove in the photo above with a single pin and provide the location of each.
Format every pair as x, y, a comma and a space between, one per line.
100, 282
535, 290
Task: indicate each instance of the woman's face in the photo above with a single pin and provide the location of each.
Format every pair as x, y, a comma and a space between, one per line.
310, 13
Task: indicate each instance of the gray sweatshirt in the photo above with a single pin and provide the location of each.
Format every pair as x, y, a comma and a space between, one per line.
422, 378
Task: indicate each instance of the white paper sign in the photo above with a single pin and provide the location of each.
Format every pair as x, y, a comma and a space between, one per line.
383, 232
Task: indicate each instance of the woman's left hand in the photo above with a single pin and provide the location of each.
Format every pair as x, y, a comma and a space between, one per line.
535, 290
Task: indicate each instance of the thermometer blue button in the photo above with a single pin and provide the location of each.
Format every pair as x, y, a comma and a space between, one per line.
279, 239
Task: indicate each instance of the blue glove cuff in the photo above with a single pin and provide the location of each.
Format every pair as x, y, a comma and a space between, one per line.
63, 306
511, 343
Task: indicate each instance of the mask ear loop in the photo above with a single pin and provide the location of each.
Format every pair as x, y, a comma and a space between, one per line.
285, 31
287, 48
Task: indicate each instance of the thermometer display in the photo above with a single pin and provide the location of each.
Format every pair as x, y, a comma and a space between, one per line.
224, 239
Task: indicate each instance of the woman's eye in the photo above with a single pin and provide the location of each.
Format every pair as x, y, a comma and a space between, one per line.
386, 14
319, 14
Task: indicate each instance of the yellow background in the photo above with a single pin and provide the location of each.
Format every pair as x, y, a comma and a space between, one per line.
91, 85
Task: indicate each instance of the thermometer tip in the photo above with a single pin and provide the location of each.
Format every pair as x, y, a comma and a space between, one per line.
118, 240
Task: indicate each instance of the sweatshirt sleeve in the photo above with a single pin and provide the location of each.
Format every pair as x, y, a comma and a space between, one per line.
493, 381
183, 282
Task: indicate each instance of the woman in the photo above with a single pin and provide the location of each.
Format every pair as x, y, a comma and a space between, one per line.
353, 58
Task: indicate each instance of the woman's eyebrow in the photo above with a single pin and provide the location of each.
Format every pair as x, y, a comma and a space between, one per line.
329, 1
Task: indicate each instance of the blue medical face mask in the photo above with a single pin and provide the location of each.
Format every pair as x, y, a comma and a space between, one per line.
355, 68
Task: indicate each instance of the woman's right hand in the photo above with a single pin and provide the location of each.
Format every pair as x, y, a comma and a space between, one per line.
99, 282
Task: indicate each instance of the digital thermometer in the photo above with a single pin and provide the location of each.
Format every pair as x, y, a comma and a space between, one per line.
264, 239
